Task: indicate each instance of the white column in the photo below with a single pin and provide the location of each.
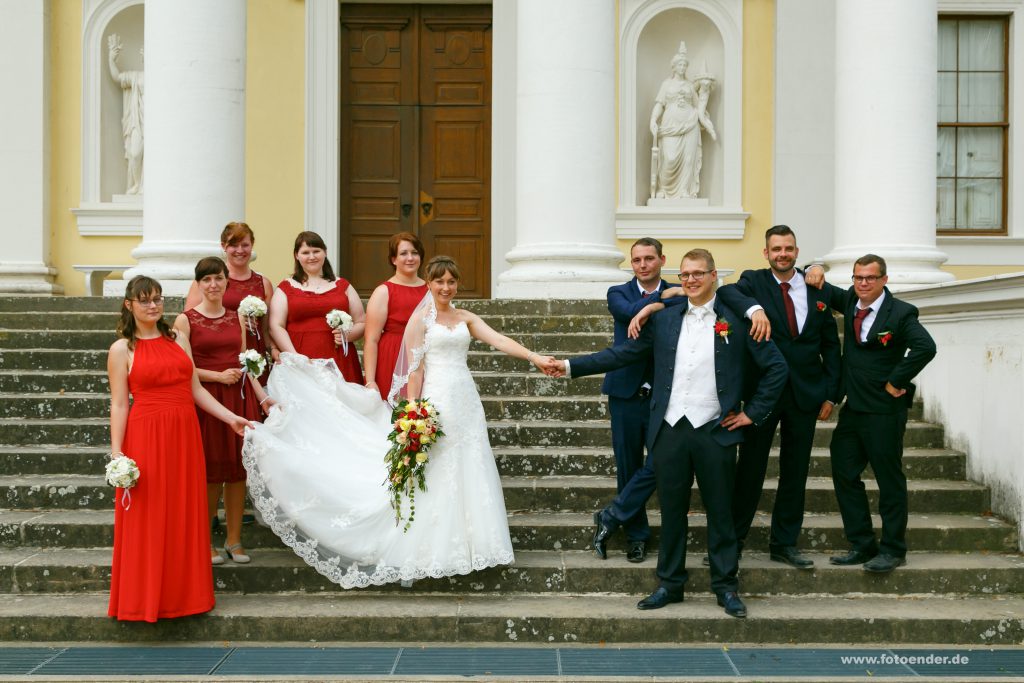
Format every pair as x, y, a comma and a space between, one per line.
885, 139
195, 134
565, 166
25, 148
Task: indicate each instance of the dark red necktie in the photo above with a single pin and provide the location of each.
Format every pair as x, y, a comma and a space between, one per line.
790, 309
646, 294
858, 320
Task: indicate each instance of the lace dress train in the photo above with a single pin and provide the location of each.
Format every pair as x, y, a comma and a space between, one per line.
316, 473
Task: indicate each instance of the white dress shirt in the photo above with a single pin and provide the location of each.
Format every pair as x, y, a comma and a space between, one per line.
694, 387
798, 295
869, 319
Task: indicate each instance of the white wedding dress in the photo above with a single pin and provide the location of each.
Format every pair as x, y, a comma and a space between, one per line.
316, 472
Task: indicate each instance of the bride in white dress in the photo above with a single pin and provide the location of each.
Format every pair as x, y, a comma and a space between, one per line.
316, 467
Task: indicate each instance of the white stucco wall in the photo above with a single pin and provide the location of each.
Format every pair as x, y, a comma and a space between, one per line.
975, 385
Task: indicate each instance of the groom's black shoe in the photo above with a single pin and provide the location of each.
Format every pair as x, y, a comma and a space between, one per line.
602, 532
852, 557
659, 599
734, 607
637, 552
791, 556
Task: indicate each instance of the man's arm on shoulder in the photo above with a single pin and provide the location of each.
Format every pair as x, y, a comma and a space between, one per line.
831, 359
745, 285
919, 345
773, 376
621, 308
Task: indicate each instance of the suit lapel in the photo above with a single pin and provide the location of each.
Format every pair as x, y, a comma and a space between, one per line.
775, 299
881, 321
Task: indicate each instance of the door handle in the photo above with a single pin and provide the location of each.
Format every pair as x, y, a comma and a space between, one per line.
406, 210
426, 207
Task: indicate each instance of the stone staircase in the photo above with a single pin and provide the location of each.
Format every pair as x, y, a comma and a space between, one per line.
963, 584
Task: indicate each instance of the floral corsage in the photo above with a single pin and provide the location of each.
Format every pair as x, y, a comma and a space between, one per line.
723, 329
822, 306
884, 337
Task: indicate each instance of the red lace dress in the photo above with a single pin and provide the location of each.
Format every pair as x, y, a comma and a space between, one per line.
161, 566
254, 337
216, 343
308, 330
402, 301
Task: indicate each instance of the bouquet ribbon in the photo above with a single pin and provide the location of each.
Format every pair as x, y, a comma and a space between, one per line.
126, 495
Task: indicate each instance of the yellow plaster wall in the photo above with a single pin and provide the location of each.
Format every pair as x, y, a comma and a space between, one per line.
971, 272
275, 120
758, 123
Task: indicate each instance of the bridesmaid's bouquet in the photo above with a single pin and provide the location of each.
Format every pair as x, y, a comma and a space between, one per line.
252, 308
415, 428
340, 320
253, 362
123, 473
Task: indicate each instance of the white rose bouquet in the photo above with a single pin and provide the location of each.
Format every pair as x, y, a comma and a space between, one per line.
123, 473
252, 308
253, 362
340, 320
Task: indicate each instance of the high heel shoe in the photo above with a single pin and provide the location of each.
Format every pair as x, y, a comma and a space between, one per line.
216, 558
240, 558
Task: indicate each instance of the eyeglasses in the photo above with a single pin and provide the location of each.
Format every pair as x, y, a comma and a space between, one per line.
155, 301
866, 279
696, 275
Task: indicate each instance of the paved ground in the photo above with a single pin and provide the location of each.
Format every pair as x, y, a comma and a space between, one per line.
432, 662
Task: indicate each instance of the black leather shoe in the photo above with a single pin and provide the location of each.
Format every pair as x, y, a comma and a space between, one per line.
791, 556
637, 552
884, 563
734, 607
659, 599
851, 558
601, 534
707, 559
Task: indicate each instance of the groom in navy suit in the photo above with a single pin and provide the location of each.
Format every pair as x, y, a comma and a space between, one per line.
701, 352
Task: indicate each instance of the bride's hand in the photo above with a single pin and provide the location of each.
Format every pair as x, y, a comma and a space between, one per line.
267, 404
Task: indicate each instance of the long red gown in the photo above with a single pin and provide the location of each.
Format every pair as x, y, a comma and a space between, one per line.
161, 566
402, 301
254, 337
307, 326
216, 343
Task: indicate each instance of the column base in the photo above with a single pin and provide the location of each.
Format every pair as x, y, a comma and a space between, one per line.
560, 270
172, 263
28, 278
907, 265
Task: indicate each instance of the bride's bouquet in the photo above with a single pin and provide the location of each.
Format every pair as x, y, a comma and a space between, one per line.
340, 320
122, 472
415, 428
252, 308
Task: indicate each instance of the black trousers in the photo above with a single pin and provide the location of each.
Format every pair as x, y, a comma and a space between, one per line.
797, 438
876, 439
630, 418
680, 453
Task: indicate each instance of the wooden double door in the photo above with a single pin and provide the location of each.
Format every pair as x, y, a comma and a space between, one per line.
416, 137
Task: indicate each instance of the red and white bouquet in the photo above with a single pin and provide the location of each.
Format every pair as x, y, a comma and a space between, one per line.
340, 320
415, 428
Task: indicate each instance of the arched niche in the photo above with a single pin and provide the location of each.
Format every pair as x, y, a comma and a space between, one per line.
650, 33
103, 163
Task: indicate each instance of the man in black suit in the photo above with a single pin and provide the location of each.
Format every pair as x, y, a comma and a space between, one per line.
806, 334
884, 348
701, 351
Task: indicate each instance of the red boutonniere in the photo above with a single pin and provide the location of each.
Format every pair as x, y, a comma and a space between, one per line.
723, 329
885, 337
821, 306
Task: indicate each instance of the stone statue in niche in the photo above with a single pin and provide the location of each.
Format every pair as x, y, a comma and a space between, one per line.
131, 83
680, 112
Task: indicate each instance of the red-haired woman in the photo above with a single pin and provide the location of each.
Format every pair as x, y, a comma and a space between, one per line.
298, 310
389, 308
161, 565
237, 240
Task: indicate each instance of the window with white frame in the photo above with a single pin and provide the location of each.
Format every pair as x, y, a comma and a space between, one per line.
972, 125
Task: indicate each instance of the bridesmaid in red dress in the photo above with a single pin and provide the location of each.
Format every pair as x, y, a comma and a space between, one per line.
389, 309
300, 304
161, 566
237, 240
216, 337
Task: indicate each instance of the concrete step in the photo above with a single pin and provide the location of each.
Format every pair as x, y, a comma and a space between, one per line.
413, 617
60, 305
919, 463
569, 493
938, 532
42, 570
69, 381
502, 433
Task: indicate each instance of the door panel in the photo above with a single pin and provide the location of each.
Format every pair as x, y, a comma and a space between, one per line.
415, 129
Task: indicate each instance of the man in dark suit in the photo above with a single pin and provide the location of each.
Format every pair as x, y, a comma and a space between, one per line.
701, 350
629, 389
806, 334
884, 348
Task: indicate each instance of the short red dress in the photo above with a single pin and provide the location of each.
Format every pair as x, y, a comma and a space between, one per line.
402, 301
254, 337
307, 326
216, 343
161, 567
